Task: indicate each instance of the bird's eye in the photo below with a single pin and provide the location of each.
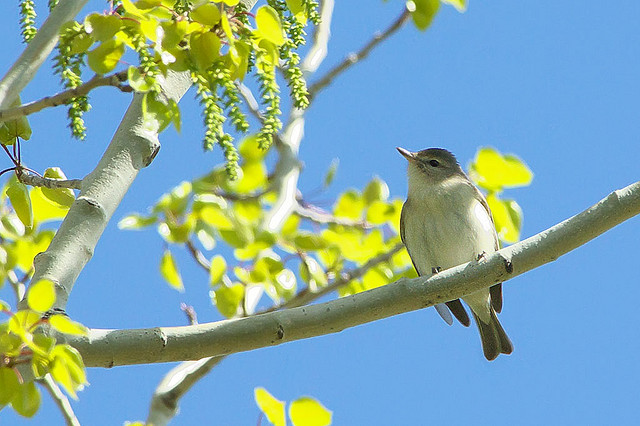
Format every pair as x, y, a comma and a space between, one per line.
434, 163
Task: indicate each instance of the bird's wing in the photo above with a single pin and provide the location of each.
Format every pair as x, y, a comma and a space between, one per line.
495, 290
455, 306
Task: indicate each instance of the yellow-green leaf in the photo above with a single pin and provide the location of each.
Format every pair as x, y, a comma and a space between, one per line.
207, 14
41, 296
228, 299
64, 324
494, 171
349, 205
205, 49
9, 385
507, 216
423, 12
27, 400
102, 27
62, 196
105, 57
298, 10
67, 369
272, 408
250, 150
376, 190
269, 25
44, 209
460, 5
217, 269
136, 221
16, 128
19, 197
307, 411
169, 271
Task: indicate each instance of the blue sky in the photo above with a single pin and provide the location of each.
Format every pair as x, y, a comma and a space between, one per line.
556, 83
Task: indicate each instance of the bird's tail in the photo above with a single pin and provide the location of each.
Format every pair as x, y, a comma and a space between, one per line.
494, 339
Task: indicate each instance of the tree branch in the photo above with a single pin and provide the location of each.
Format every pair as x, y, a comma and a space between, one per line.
62, 98
61, 400
34, 180
132, 148
320, 216
177, 382
107, 348
36, 52
355, 57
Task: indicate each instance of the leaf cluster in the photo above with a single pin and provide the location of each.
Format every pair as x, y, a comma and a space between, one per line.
213, 40
24, 350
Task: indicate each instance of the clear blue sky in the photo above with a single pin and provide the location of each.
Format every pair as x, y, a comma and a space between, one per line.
554, 82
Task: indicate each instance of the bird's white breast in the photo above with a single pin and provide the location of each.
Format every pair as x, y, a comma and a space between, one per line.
448, 227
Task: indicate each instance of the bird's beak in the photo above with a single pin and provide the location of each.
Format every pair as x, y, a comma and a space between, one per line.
411, 156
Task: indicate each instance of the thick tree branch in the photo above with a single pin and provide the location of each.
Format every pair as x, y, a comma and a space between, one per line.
62, 98
107, 348
36, 52
132, 148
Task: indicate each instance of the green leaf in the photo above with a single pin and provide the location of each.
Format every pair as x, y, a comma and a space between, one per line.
306, 241
507, 216
380, 212
307, 411
298, 11
27, 400
228, 299
64, 324
102, 27
62, 196
206, 14
41, 296
9, 385
136, 221
19, 197
44, 209
205, 49
269, 25
217, 270
349, 205
139, 82
272, 408
285, 282
494, 171
67, 369
423, 12
331, 173
106, 56
460, 5
250, 150
177, 233
376, 190
169, 271
157, 114
16, 128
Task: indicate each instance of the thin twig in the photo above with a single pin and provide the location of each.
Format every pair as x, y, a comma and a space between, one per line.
355, 57
307, 296
250, 100
34, 180
61, 400
64, 97
198, 256
320, 216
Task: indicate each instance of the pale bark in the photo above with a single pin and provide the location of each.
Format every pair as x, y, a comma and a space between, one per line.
108, 348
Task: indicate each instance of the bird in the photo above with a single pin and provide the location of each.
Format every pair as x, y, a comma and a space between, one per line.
446, 222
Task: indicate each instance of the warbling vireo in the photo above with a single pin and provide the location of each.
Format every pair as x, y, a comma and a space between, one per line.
446, 222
